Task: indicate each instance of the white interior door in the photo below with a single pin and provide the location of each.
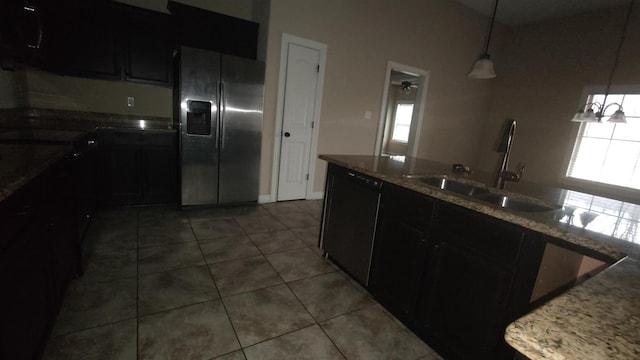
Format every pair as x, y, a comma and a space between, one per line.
300, 96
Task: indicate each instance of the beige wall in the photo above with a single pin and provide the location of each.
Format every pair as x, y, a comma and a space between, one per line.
542, 73
12, 89
440, 36
51, 91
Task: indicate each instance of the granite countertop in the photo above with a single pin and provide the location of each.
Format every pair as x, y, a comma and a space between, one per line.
33, 139
598, 319
20, 163
35, 118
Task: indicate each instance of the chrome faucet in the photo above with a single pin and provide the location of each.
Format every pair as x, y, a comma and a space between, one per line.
504, 147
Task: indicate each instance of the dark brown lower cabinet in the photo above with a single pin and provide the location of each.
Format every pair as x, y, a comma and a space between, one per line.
454, 276
139, 167
462, 308
27, 302
39, 254
400, 249
472, 284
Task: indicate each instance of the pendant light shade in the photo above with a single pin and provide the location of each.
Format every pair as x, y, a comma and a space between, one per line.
483, 68
589, 116
618, 117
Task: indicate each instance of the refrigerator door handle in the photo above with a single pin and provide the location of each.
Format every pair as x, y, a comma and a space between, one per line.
223, 110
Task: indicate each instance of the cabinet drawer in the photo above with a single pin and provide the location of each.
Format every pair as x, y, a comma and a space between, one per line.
160, 139
480, 234
139, 137
111, 137
412, 208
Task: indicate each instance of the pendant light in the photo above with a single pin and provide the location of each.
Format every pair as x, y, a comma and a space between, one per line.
483, 67
587, 113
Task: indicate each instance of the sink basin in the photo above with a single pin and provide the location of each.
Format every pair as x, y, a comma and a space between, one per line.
453, 186
508, 202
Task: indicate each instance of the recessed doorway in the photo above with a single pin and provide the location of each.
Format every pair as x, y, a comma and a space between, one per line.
402, 110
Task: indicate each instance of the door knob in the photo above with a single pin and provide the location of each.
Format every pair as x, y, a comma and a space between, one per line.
287, 134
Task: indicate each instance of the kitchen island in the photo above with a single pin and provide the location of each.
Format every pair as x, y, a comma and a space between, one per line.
611, 237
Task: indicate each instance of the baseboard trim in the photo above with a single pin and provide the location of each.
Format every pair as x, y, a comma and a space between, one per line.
264, 199
316, 195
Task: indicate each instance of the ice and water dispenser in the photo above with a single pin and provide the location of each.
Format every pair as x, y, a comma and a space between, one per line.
198, 117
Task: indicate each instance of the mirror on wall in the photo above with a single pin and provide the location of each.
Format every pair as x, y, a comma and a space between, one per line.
402, 109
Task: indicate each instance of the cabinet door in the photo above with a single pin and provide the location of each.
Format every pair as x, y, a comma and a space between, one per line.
398, 266
139, 167
26, 304
93, 41
122, 166
59, 220
464, 301
400, 249
467, 286
160, 174
147, 47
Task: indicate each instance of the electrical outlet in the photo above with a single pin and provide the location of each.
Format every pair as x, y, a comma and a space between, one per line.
367, 115
130, 101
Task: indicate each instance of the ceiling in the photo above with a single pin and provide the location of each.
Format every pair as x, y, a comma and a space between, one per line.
514, 12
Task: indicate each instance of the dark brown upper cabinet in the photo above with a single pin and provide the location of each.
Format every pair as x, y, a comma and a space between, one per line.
148, 46
204, 29
115, 41
93, 48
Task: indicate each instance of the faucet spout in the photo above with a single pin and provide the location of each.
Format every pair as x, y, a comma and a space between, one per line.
505, 147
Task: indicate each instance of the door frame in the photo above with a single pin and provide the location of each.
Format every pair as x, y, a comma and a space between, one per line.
418, 117
288, 39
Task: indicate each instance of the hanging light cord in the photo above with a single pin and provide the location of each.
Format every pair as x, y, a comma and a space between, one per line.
617, 57
493, 19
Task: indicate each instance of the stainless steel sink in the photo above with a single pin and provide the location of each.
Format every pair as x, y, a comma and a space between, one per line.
511, 203
454, 186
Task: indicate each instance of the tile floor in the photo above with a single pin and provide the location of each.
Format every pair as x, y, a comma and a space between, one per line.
225, 283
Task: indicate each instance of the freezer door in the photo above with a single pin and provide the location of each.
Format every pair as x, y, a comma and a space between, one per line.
199, 79
241, 129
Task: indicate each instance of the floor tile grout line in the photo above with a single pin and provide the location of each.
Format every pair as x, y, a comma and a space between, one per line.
91, 327
224, 306
332, 342
281, 335
178, 307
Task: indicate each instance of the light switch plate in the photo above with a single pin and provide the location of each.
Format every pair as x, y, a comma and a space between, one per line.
130, 101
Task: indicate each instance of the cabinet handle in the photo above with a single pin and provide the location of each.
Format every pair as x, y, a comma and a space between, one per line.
222, 111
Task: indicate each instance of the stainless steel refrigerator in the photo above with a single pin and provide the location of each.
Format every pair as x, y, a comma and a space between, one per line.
219, 101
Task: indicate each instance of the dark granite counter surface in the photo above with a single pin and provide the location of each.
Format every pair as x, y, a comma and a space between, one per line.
597, 319
34, 118
33, 139
19, 163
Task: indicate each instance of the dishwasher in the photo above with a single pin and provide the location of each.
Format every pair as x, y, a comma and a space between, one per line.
349, 220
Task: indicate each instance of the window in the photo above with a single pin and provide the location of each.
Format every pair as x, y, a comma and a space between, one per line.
609, 153
402, 122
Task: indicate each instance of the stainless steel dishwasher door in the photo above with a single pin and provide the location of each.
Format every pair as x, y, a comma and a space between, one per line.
349, 223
